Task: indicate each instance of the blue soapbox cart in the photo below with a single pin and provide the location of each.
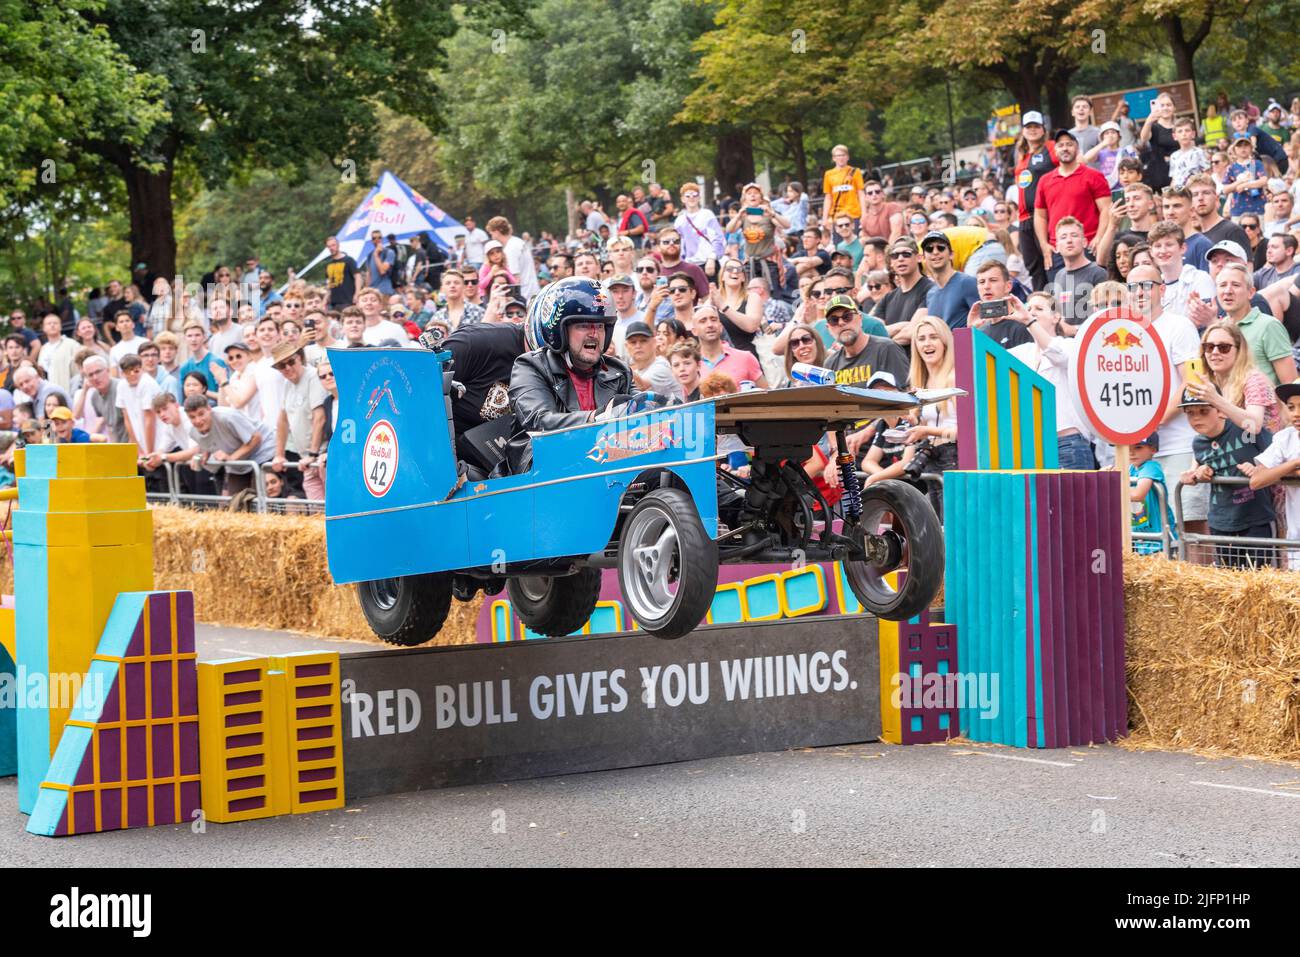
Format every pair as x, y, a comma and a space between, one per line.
413, 527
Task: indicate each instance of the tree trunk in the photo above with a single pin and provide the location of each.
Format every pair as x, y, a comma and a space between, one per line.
153, 225
1182, 47
733, 163
800, 156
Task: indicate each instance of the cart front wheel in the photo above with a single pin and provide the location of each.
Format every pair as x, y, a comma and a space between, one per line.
667, 564
901, 533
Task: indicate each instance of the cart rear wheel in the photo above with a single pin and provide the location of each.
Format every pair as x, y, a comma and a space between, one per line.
406, 611
902, 533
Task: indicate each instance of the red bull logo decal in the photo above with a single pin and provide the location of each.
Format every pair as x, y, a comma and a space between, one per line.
379, 459
1123, 339
625, 444
381, 201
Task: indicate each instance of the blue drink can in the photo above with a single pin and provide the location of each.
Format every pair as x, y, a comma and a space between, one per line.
813, 375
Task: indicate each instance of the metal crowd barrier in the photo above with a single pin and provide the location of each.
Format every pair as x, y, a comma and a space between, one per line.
263, 503
1235, 550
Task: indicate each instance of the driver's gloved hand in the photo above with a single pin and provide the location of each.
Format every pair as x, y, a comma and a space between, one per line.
612, 411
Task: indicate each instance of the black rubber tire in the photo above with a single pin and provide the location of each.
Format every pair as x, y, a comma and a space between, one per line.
563, 605
697, 579
924, 537
406, 611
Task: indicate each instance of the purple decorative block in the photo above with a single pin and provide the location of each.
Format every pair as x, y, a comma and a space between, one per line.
161, 688
190, 799
189, 734
137, 744
185, 622
928, 645
160, 624
187, 698
163, 764
83, 806
135, 647
110, 800
164, 804
110, 754
137, 807
135, 678
111, 711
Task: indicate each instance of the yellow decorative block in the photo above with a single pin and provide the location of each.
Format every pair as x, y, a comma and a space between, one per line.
71, 529
242, 757
81, 494
84, 460
314, 729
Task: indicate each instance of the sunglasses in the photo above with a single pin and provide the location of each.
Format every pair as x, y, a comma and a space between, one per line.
690, 193
670, 242
873, 192
515, 313
843, 225
1250, 225
798, 341
935, 248
1143, 285
325, 375
840, 319
676, 289
875, 285
283, 364
918, 220
1223, 348
293, 305
836, 290
647, 269
818, 294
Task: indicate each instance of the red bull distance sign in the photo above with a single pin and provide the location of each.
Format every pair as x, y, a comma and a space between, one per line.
1121, 376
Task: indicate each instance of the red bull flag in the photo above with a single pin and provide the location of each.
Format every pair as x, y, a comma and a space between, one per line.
392, 207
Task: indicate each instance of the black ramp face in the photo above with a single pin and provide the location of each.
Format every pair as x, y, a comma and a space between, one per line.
435, 717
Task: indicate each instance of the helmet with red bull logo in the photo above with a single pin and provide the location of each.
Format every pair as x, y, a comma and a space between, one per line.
573, 299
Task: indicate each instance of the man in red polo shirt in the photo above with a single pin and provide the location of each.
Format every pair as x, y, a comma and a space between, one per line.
1072, 189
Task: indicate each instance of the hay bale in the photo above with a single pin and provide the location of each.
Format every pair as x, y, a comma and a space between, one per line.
268, 571
1213, 658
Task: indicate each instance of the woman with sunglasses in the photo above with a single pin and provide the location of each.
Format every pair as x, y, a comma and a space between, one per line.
1244, 394
879, 284
730, 301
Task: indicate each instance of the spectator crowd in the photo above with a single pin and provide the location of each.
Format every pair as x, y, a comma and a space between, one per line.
1194, 225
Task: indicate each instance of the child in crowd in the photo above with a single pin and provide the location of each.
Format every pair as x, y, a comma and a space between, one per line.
1282, 460
1189, 159
1220, 448
1145, 501
888, 454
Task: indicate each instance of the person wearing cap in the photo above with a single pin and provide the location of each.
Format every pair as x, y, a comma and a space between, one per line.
622, 291
1145, 474
953, 293
238, 388
1035, 157
1104, 157
760, 225
1245, 179
911, 287
1265, 145
1071, 189
64, 430
859, 354
1220, 449
495, 251
1281, 460
650, 372
1269, 343
302, 420
1271, 121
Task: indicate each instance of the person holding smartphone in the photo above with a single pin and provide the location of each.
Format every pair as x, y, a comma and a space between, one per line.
759, 224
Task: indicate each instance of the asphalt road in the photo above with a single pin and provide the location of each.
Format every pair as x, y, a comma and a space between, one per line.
865, 805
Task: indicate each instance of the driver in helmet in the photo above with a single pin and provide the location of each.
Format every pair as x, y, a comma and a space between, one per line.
566, 379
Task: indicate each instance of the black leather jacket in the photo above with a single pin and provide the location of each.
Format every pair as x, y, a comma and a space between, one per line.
543, 398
